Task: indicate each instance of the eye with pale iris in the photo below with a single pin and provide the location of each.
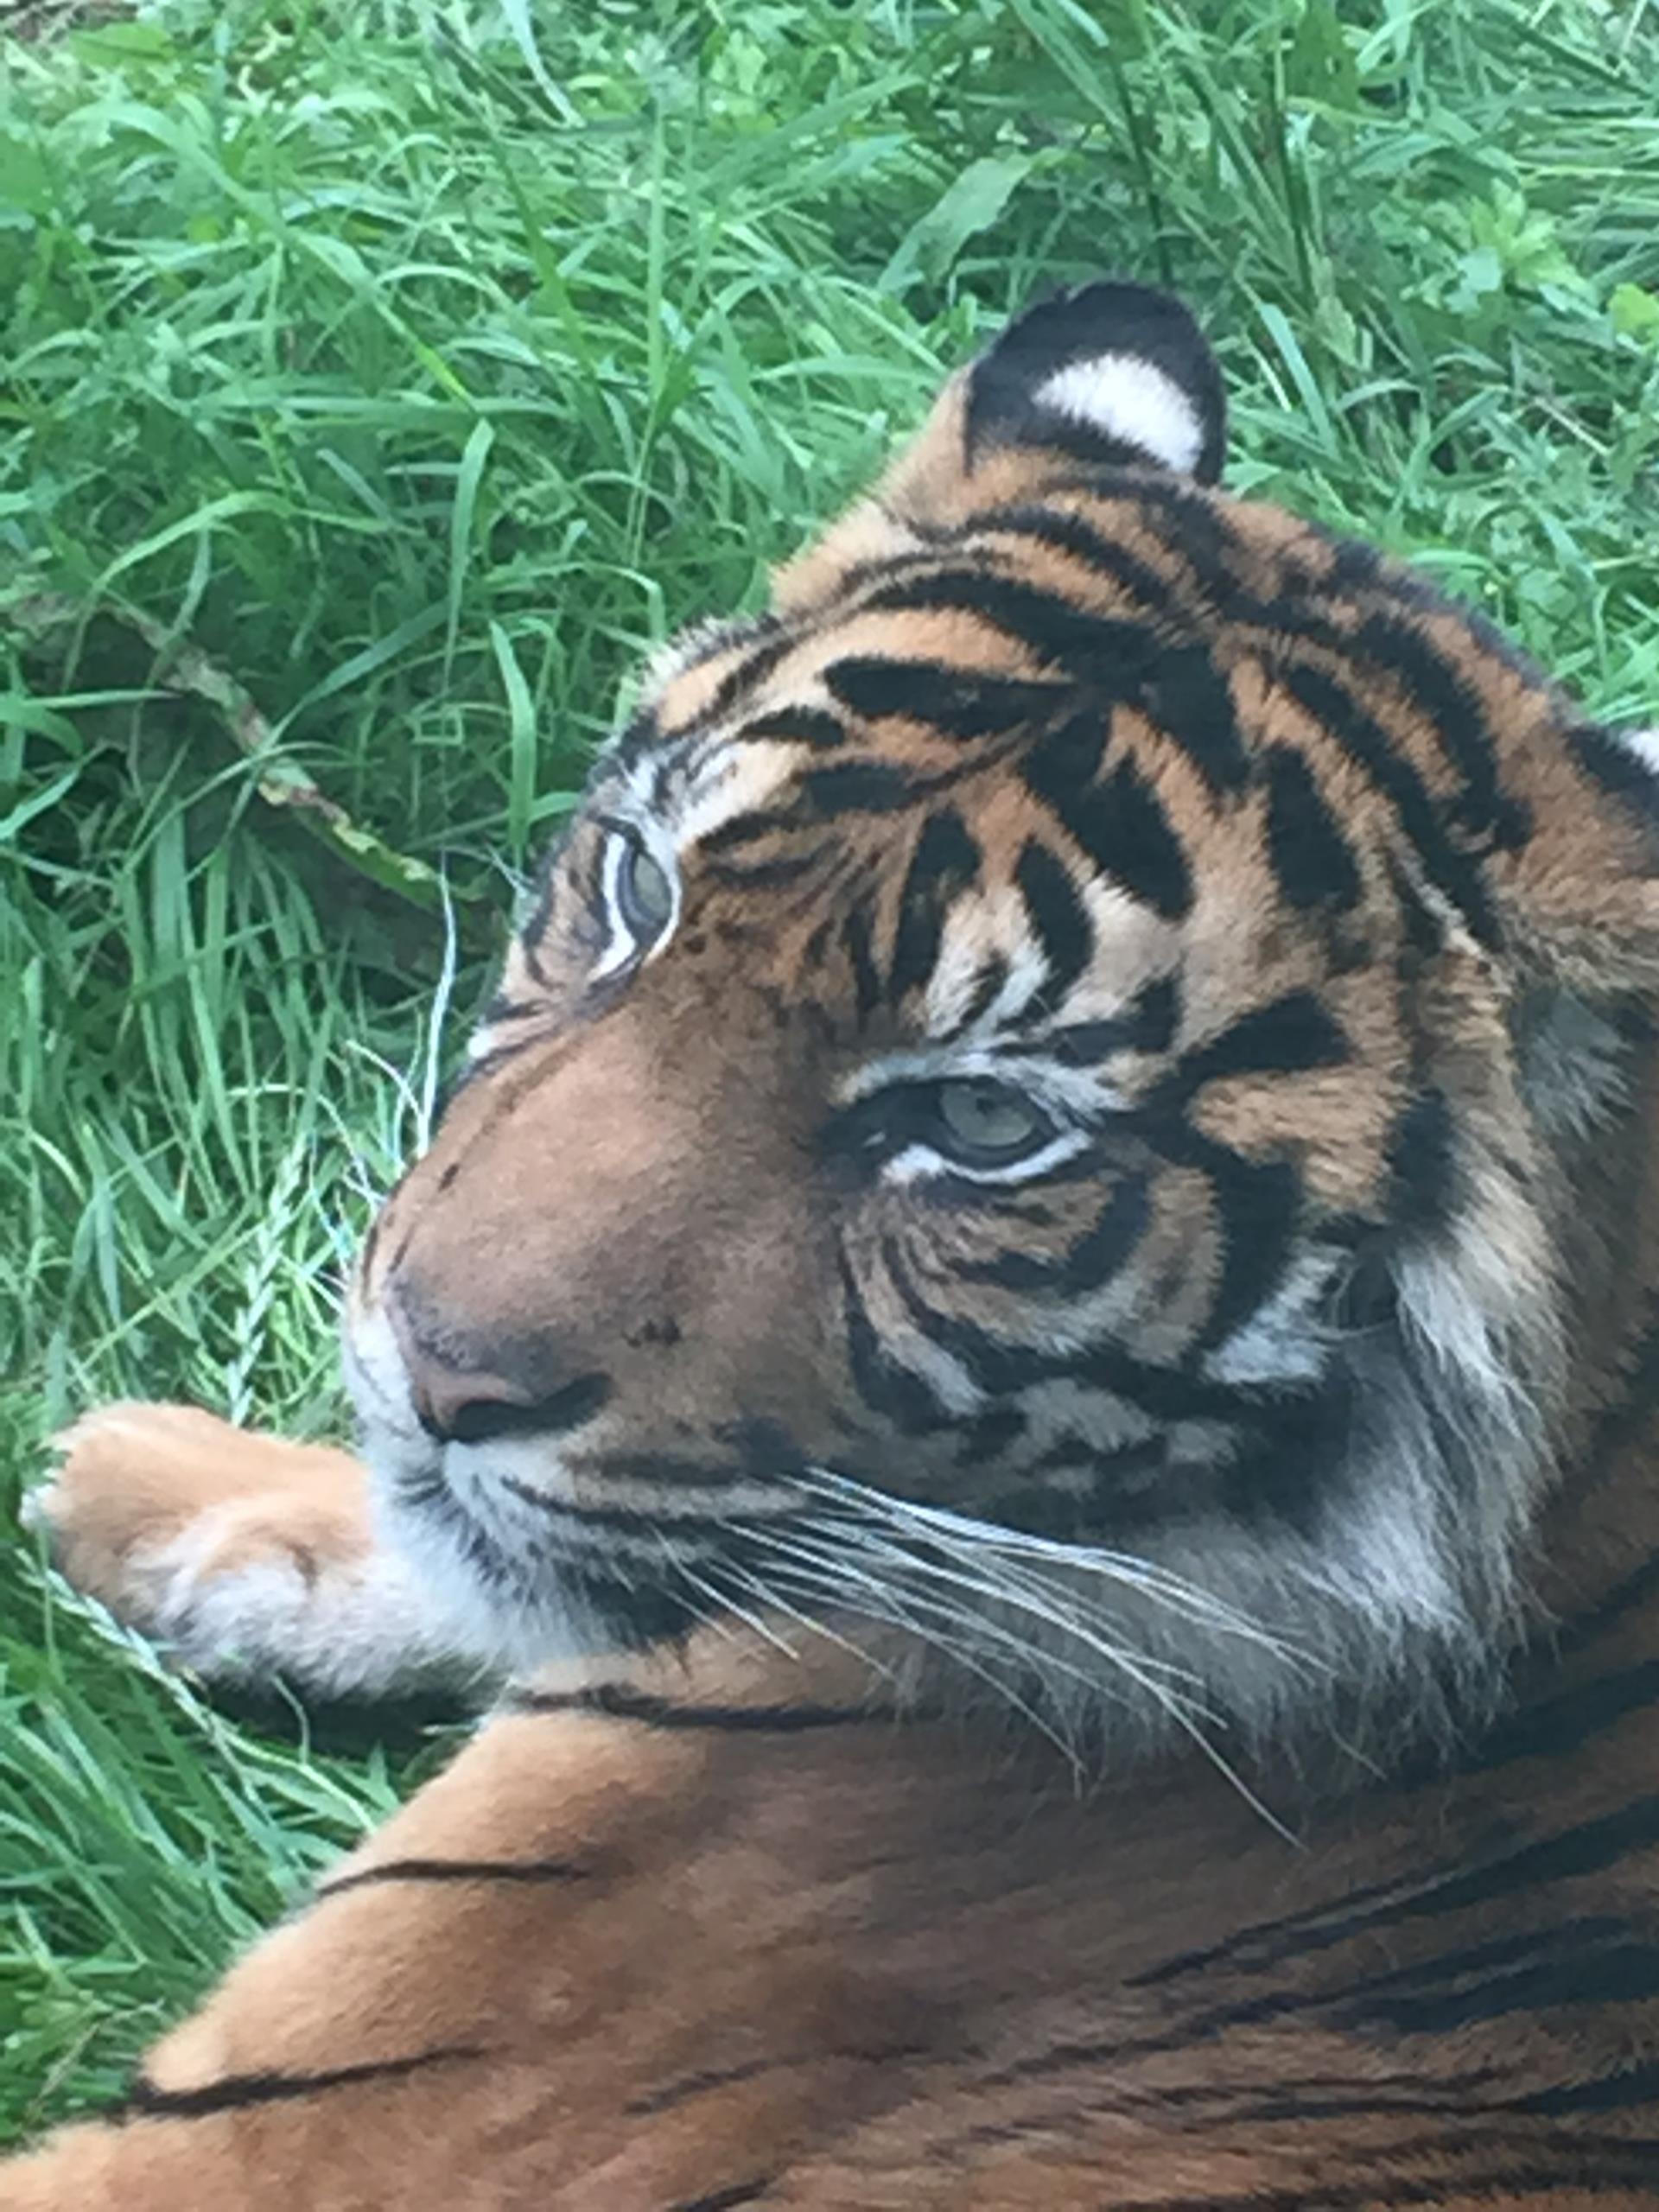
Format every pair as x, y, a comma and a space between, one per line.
640, 892
981, 1122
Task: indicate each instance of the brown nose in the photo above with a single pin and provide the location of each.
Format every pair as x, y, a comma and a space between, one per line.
517, 1390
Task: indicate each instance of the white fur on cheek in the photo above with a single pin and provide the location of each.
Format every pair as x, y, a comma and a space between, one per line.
1131, 399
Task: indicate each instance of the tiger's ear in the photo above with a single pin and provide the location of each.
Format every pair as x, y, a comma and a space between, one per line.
1113, 375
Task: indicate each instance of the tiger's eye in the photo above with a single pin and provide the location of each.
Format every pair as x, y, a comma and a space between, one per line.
983, 1122
644, 896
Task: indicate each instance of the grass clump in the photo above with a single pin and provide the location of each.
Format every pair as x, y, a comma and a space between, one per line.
376, 382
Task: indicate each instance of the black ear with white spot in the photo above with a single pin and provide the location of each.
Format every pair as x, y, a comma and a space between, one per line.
1113, 373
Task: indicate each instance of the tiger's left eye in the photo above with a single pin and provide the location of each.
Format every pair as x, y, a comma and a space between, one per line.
645, 893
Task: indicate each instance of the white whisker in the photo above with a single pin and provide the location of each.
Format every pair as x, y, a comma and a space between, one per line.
900, 1562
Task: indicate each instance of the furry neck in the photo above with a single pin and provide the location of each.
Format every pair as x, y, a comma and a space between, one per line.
1598, 1527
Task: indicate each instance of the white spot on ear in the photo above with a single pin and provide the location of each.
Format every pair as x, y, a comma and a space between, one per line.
1131, 399
1644, 743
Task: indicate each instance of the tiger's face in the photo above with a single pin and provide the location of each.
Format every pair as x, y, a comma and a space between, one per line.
1025, 1109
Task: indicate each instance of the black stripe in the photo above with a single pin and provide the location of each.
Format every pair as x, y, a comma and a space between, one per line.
239, 2091
1056, 632
752, 669
739, 830
1068, 533
1586, 1629
1060, 768
854, 787
786, 868
989, 1434
1058, 918
945, 863
1585, 1961
1622, 1424
669, 1468
643, 735
536, 923
1001, 1369
1084, 1265
1632, 2085
886, 1386
1257, 1203
743, 2192
855, 943
1046, 429
1121, 825
1127, 831
698, 2085
863, 785
1189, 699
796, 726
1291, 1035
1366, 742
1147, 1025
991, 976
1266, 1943
1314, 861
1224, 2104
1589, 1847
1401, 648
1195, 532
1551, 1727
455, 1869
960, 703
616, 1701
502, 1008
1422, 1161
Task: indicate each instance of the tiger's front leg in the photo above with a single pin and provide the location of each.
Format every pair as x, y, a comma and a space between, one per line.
486, 2006
246, 1555
424, 1976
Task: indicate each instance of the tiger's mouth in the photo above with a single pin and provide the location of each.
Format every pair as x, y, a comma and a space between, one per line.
544, 1560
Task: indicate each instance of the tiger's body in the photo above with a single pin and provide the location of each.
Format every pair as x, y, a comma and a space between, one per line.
1046, 1269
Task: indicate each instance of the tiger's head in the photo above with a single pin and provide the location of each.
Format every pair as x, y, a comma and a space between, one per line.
1047, 1103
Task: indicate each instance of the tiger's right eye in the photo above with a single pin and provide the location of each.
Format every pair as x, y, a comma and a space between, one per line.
641, 897
644, 896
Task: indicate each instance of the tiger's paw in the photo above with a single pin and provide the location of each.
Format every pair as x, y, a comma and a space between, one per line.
245, 1555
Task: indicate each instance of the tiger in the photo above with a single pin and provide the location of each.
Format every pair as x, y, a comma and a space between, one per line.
1029, 1350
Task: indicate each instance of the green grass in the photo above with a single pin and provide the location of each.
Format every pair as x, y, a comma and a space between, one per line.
377, 379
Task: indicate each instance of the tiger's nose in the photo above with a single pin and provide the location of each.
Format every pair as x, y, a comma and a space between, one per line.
463, 1401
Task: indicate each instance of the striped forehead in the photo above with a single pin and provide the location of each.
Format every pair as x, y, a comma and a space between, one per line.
1015, 929
686, 789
